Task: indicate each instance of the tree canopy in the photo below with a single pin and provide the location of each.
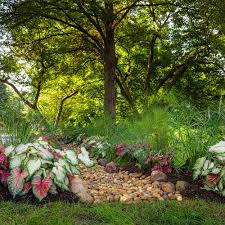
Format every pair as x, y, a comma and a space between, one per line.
89, 57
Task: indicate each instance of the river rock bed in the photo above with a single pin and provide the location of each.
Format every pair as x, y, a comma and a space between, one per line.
126, 187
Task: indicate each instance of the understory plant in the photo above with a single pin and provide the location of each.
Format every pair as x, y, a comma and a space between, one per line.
212, 169
143, 157
132, 153
39, 167
97, 145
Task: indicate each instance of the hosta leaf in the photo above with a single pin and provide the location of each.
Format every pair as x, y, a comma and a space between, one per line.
220, 185
33, 165
16, 161
26, 188
41, 186
72, 157
9, 150
84, 158
16, 181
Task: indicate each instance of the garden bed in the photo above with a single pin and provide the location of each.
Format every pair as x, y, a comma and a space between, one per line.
195, 191
31, 199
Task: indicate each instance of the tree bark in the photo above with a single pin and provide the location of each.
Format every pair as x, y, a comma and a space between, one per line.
174, 74
109, 58
126, 92
150, 65
59, 114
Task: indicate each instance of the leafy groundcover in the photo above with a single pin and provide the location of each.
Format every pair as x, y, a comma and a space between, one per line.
39, 168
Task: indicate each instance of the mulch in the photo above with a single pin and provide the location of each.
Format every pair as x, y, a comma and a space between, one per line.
31, 199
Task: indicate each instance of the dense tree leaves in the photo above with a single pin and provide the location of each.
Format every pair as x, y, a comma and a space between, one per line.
112, 53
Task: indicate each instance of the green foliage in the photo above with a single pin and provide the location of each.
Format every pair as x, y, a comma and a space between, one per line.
15, 124
40, 167
212, 169
98, 146
171, 125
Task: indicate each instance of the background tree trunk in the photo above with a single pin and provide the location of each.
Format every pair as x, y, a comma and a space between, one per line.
109, 58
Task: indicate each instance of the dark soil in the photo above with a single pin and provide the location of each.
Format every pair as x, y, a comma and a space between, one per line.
31, 199
195, 190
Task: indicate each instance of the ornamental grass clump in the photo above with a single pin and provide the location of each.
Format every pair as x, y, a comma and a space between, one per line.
39, 167
212, 169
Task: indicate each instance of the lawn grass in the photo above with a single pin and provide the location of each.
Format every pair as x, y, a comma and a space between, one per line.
168, 213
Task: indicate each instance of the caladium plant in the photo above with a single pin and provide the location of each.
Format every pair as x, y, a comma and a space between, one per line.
39, 167
4, 166
212, 169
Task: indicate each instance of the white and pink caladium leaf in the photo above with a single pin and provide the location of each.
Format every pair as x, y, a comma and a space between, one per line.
84, 158
16, 181
20, 149
26, 188
4, 175
33, 165
71, 157
41, 187
9, 150
43, 152
16, 161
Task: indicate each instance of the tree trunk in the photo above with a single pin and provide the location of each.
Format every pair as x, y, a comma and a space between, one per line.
59, 114
109, 58
150, 65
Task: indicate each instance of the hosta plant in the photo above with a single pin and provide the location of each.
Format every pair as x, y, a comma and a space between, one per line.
41, 168
212, 169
